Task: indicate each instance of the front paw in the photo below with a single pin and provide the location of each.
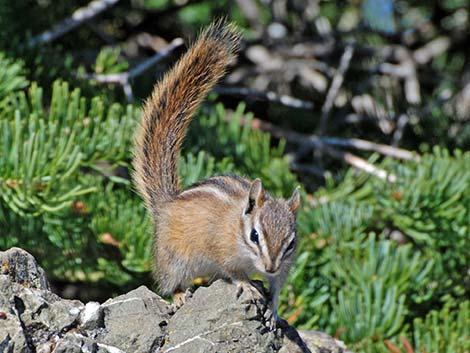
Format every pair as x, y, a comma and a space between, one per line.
180, 298
271, 318
251, 292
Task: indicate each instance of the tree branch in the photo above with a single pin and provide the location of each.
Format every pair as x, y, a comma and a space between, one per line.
336, 83
326, 145
319, 141
360, 164
269, 96
123, 78
79, 17
365, 145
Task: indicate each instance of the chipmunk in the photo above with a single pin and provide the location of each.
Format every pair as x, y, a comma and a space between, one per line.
225, 226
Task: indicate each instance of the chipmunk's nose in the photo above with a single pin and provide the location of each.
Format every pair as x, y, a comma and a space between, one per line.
270, 266
271, 269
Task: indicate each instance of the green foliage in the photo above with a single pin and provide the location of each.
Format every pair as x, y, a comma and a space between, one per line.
201, 166
430, 200
382, 261
12, 76
375, 282
369, 287
446, 331
126, 228
42, 150
108, 62
377, 311
377, 261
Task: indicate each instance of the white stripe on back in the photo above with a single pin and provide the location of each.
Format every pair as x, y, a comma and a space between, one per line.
208, 189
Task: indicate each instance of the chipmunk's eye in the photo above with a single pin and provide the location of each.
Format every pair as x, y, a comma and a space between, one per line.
254, 236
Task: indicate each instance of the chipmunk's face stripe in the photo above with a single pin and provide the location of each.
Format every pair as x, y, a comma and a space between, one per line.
288, 248
254, 248
263, 246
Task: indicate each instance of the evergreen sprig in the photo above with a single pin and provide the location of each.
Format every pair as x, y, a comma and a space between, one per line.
42, 150
446, 330
12, 76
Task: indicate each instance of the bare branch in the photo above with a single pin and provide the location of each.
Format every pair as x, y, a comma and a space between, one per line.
123, 78
360, 164
402, 121
269, 96
325, 144
367, 107
431, 50
335, 86
136, 71
79, 17
250, 11
365, 145
319, 141
406, 70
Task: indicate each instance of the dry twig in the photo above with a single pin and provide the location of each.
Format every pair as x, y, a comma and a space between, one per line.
123, 78
79, 17
335, 86
269, 96
365, 145
402, 121
326, 145
360, 164
431, 49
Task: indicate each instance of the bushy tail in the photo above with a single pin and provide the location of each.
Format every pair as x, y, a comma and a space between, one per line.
169, 109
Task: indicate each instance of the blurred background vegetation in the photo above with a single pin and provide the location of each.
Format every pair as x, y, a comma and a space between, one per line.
366, 104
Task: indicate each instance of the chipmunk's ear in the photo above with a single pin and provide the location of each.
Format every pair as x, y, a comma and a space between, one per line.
294, 200
255, 196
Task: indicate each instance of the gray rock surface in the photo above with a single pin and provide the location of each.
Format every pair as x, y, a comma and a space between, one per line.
321, 342
22, 268
142, 310
213, 319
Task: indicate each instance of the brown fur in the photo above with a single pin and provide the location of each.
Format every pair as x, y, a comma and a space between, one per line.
168, 111
207, 229
197, 226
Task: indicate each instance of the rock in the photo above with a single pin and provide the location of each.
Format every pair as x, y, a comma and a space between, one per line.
12, 337
22, 268
33, 316
213, 319
91, 317
136, 321
321, 342
74, 342
293, 343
